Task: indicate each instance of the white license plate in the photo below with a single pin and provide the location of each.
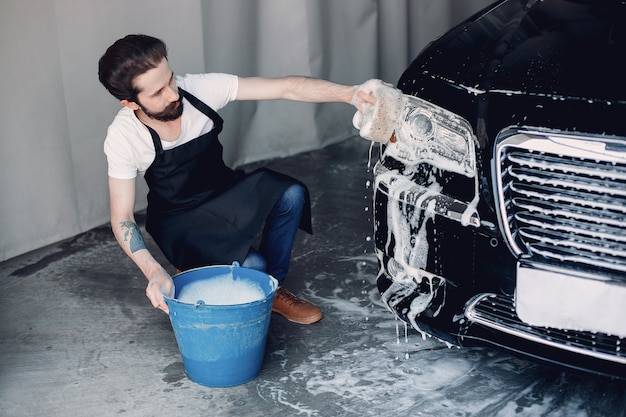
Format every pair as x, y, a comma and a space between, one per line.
550, 299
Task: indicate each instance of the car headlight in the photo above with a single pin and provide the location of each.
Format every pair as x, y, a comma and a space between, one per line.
428, 133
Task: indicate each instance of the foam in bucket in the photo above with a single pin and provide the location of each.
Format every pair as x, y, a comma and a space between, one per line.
221, 290
221, 329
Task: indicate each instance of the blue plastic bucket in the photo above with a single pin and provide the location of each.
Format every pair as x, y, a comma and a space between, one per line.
222, 345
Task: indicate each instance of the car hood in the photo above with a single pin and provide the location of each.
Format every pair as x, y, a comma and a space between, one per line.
563, 49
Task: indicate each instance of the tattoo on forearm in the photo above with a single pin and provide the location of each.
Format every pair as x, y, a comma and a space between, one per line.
132, 234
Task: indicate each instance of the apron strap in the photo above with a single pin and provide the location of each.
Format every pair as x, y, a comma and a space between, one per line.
156, 140
204, 108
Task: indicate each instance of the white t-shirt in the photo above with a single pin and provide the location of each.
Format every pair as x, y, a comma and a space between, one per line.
128, 144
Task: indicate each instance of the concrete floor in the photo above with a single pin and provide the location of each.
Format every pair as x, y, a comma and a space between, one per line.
79, 338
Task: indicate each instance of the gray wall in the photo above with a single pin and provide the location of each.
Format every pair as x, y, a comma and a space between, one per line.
55, 113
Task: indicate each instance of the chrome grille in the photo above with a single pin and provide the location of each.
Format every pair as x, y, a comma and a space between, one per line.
498, 312
561, 203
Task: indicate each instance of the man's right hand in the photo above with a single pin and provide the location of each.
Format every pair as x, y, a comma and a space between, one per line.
160, 284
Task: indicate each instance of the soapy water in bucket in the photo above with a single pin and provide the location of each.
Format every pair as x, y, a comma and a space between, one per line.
221, 290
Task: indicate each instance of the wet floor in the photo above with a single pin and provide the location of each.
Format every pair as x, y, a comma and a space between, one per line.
79, 338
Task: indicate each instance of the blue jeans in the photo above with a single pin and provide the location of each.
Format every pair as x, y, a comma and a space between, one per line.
279, 233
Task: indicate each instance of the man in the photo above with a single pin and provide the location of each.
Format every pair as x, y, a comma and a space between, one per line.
201, 212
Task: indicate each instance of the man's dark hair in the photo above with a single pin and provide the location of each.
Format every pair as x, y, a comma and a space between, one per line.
126, 59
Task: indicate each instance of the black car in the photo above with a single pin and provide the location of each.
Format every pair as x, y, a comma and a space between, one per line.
500, 204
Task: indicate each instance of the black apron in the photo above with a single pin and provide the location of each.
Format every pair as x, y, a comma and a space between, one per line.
201, 212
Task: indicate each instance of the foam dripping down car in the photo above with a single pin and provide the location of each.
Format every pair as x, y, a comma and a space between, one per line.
500, 208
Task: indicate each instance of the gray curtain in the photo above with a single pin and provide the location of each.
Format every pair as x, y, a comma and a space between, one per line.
55, 114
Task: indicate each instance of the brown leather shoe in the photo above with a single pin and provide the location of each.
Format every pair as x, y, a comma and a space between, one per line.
294, 309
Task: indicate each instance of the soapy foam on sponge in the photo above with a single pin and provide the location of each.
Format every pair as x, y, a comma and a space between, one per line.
376, 122
221, 290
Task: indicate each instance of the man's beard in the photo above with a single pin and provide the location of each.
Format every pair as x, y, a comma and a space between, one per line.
171, 112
